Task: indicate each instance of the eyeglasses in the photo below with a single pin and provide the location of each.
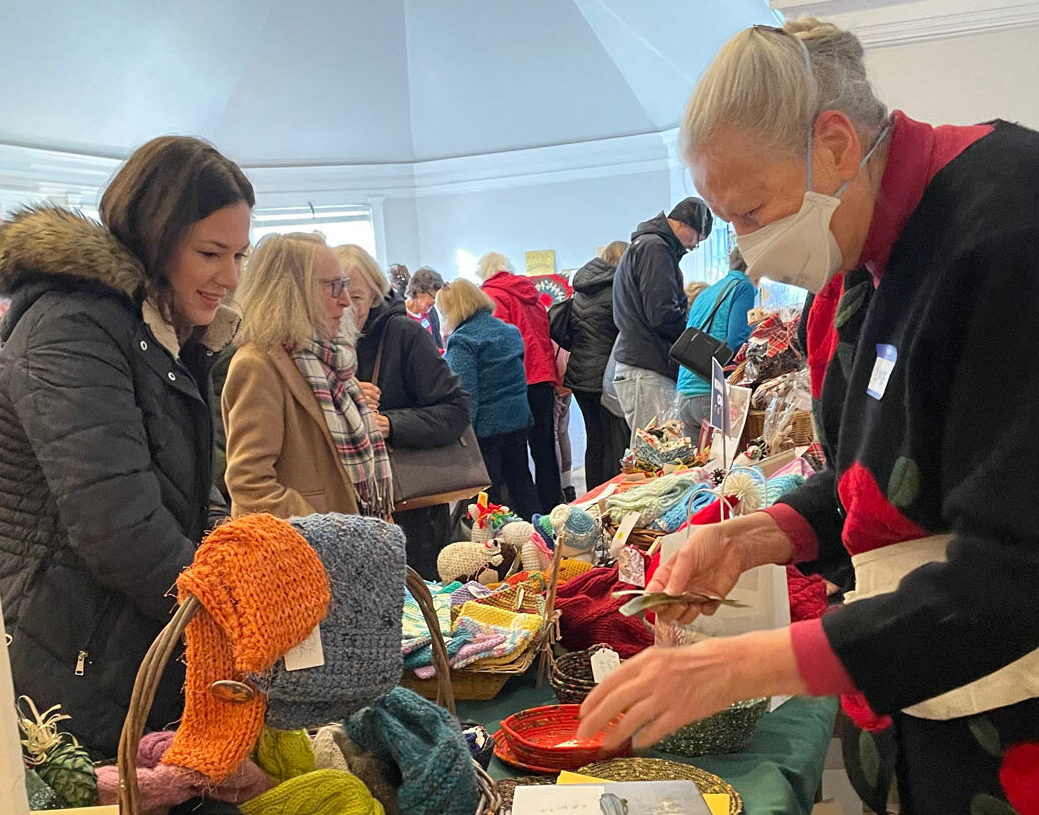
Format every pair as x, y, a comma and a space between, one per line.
337, 285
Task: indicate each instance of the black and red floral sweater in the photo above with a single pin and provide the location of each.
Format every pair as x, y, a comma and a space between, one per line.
948, 299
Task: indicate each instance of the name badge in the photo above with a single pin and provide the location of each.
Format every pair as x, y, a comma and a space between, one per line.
887, 356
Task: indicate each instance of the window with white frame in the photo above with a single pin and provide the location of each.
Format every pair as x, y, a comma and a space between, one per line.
339, 224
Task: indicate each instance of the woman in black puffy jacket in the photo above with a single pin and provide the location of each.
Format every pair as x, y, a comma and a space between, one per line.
105, 420
589, 335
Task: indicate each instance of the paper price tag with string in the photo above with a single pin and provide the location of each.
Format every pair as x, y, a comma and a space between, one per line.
604, 662
624, 529
631, 568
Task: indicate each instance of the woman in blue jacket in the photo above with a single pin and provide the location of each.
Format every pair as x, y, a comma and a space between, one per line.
487, 354
734, 295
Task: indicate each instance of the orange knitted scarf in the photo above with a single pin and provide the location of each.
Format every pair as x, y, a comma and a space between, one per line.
262, 589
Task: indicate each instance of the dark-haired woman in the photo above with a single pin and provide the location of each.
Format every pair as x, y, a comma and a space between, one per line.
105, 417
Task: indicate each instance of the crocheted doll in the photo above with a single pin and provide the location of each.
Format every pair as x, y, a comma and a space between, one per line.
466, 560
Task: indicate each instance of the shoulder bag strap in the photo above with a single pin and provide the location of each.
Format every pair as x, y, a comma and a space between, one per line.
378, 354
708, 324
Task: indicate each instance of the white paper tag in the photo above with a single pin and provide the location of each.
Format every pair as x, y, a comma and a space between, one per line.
604, 662
308, 654
620, 537
887, 356
631, 567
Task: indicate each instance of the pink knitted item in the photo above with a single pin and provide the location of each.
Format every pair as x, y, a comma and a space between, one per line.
163, 786
476, 649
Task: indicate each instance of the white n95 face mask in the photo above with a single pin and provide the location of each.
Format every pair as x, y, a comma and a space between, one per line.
800, 249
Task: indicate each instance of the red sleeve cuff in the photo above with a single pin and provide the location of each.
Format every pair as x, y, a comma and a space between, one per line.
820, 669
800, 532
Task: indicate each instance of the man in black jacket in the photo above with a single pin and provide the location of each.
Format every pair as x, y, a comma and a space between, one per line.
650, 309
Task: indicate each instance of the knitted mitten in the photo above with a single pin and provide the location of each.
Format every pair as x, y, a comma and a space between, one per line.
323, 792
424, 741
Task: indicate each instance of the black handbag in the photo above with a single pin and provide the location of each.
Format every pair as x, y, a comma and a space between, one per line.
426, 477
695, 348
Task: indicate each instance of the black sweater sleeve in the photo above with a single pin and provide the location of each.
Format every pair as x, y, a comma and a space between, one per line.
816, 502
438, 409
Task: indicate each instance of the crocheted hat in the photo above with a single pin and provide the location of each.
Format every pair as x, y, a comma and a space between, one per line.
577, 530
360, 636
323, 792
425, 742
262, 589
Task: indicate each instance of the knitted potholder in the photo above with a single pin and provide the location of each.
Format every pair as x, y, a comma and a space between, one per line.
361, 634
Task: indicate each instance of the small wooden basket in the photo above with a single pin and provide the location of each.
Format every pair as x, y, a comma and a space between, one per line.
158, 655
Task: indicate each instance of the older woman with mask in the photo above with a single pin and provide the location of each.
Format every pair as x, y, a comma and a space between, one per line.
913, 238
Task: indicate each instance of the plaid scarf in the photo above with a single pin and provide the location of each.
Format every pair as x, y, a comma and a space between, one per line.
329, 368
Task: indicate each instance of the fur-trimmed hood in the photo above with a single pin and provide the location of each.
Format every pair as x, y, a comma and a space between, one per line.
52, 242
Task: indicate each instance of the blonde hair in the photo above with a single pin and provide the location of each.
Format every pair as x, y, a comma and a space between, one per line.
280, 297
614, 251
459, 300
693, 289
491, 263
361, 267
758, 83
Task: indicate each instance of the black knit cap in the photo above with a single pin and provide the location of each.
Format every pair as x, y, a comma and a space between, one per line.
692, 211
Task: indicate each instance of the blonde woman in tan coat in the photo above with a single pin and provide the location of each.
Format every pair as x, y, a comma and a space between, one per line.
302, 434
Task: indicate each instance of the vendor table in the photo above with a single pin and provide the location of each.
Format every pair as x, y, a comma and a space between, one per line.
778, 774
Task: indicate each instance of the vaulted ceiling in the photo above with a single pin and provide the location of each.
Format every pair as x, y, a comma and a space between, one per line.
353, 81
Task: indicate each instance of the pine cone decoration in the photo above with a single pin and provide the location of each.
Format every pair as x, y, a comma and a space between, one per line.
68, 770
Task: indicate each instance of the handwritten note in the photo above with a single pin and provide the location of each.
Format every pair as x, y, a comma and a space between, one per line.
308, 654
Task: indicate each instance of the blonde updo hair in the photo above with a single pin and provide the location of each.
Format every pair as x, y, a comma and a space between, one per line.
280, 295
362, 270
491, 263
459, 300
614, 251
757, 84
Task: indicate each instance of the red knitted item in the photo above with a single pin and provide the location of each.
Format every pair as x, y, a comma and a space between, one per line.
1019, 775
590, 615
807, 595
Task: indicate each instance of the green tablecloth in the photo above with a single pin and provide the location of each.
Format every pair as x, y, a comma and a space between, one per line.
778, 774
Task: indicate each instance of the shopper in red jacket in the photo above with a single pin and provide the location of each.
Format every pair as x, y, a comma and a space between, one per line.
516, 302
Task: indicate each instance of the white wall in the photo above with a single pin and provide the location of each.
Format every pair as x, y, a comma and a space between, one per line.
572, 217
962, 80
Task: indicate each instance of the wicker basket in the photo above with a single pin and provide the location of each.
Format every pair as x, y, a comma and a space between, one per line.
147, 682
571, 676
640, 537
482, 684
801, 434
727, 731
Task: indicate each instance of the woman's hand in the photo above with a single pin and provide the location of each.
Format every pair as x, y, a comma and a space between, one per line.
383, 424
372, 394
713, 559
663, 689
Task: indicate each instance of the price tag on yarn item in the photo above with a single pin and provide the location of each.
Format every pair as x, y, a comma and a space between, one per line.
308, 654
604, 662
631, 567
887, 356
620, 537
